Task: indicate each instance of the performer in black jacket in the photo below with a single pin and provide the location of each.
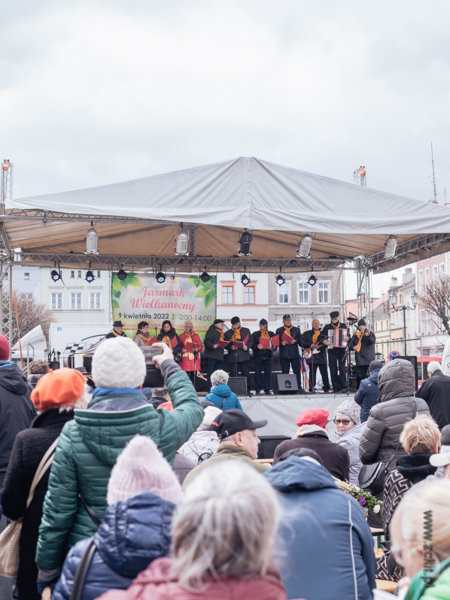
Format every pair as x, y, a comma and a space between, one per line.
167, 334
289, 353
336, 356
212, 352
117, 331
363, 343
313, 340
239, 358
263, 359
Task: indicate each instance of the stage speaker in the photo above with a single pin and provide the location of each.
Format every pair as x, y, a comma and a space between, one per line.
287, 383
413, 361
266, 449
238, 385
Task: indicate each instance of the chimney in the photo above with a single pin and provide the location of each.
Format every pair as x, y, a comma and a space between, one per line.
393, 282
408, 276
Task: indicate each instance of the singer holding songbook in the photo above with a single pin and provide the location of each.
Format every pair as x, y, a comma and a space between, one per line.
169, 336
191, 346
238, 350
316, 355
214, 339
363, 343
142, 337
262, 354
336, 354
290, 340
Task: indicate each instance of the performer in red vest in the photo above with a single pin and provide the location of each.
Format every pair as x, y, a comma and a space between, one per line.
190, 357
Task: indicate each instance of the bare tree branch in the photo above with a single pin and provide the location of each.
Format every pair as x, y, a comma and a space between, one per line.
31, 314
436, 300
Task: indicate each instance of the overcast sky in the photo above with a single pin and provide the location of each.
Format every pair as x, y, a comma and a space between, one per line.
99, 91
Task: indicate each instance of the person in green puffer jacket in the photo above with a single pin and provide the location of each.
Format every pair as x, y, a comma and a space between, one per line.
89, 445
420, 539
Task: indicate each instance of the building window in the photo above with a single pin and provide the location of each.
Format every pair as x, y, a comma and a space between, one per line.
75, 301
428, 322
427, 277
421, 282
283, 293
98, 274
249, 295
79, 274
435, 273
376, 326
27, 297
95, 300
72, 274
228, 294
57, 301
26, 276
324, 293
303, 293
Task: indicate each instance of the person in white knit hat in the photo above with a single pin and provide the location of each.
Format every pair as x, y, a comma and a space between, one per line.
88, 450
142, 495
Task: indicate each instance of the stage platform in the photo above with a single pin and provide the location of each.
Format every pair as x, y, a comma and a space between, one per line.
282, 410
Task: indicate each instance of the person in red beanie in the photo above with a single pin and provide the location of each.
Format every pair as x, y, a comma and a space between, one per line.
56, 395
312, 433
17, 412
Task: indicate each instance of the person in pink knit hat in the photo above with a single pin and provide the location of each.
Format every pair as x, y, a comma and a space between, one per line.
223, 535
143, 492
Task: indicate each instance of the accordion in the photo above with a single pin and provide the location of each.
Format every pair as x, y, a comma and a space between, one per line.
336, 338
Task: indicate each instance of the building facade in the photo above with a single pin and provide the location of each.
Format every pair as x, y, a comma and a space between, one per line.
381, 326
428, 329
250, 303
73, 300
305, 302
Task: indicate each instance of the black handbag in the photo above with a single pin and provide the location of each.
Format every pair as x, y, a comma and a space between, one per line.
82, 571
371, 478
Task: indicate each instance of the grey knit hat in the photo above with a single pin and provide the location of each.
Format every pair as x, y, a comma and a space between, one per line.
351, 409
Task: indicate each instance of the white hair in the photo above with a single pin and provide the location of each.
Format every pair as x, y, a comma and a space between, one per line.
82, 401
432, 500
219, 377
225, 525
434, 366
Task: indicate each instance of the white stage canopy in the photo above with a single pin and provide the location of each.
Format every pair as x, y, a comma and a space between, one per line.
277, 204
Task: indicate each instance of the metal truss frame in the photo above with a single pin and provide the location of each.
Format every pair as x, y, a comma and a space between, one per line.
178, 263
410, 248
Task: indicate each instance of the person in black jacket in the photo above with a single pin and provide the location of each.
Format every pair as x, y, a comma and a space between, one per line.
117, 331
289, 352
336, 356
167, 334
436, 393
239, 358
313, 340
16, 414
57, 394
212, 352
363, 343
263, 359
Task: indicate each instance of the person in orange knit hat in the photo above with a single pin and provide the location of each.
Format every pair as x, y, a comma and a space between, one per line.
56, 395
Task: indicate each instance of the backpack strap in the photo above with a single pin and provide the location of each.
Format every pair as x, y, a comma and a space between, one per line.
43, 466
82, 571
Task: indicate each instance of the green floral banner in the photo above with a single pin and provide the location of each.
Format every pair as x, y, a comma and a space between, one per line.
179, 299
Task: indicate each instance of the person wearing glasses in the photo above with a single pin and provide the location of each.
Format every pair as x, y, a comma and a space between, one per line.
347, 420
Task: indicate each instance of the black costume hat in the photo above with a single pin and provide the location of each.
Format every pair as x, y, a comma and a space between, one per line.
263, 322
235, 320
334, 314
361, 322
117, 324
286, 317
218, 321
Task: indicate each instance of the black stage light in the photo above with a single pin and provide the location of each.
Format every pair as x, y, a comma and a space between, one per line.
205, 277
280, 279
55, 275
89, 277
160, 277
245, 279
122, 275
245, 242
312, 280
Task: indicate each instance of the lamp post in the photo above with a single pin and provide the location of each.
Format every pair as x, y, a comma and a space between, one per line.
393, 298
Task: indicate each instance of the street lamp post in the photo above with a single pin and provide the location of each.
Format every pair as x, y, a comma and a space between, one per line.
393, 298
